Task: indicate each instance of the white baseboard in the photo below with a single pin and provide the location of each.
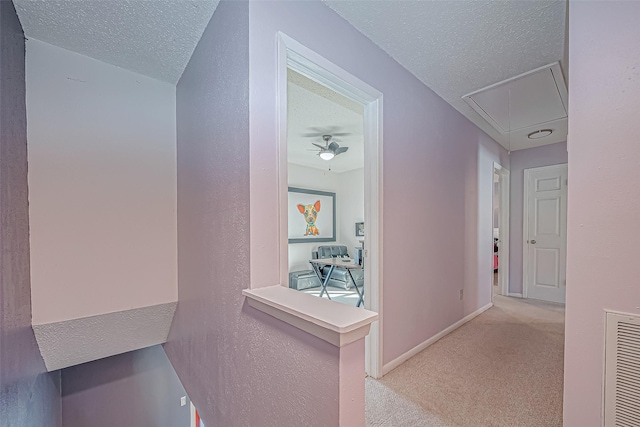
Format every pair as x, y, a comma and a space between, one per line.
388, 367
517, 295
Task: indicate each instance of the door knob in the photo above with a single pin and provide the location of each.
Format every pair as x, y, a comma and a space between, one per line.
533, 242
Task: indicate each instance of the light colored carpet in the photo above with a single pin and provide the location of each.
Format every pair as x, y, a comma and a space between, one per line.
504, 368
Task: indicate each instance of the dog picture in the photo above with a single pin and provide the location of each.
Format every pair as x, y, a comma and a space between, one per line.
310, 213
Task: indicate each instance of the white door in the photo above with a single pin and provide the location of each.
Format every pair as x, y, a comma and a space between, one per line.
545, 233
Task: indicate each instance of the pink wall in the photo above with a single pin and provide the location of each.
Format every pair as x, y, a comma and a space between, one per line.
603, 265
29, 396
546, 155
437, 177
238, 365
102, 186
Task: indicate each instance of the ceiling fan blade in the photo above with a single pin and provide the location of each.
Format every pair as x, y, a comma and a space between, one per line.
340, 150
328, 130
322, 147
316, 129
333, 146
341, 134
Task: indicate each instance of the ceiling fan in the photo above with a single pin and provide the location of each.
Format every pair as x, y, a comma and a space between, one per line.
327, 130
330, 149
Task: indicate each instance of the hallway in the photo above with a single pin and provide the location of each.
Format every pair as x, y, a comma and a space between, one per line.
504, 368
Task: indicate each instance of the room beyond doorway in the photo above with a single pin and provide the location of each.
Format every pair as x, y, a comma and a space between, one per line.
292, 55
326, 199
500, 231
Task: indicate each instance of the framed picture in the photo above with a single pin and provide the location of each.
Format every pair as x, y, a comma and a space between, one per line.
312, 216
360, 229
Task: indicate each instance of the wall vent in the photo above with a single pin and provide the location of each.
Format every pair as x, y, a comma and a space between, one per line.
622, 371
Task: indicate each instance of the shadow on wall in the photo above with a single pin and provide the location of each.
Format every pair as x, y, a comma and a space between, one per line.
138, 388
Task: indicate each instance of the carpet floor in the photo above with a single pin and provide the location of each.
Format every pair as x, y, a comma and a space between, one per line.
504, 368
343, 296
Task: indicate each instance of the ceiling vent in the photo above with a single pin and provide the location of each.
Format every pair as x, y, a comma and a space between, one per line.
529, 102
622, 371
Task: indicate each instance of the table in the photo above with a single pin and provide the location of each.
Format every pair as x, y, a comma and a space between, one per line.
347, 264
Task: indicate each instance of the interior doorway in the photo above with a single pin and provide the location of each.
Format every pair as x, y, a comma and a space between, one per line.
325, 170
294, 57
500, 230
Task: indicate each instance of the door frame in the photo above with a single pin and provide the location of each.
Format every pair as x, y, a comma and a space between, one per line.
292, 54
525, 224
503, 242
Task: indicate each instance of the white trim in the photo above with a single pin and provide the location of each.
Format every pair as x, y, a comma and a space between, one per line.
503, 246
515, 294
294, 55
338, 324
192, 415
388, 367
525, 223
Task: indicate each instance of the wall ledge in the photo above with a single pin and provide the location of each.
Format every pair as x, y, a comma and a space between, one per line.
338, 324
72, 342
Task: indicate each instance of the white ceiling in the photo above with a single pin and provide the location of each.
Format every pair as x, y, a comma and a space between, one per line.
154, 38
457, 47
313, 108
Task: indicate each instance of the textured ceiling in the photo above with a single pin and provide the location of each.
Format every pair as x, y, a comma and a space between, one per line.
311, 105
454, 47
457, 47
154, 38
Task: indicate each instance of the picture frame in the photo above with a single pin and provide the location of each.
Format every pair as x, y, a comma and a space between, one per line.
306, 223
359, 229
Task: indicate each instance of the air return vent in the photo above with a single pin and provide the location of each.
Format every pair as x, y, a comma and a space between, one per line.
622, 371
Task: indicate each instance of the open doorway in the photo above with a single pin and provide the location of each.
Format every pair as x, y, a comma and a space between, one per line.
325, 170
500, 224
359, 231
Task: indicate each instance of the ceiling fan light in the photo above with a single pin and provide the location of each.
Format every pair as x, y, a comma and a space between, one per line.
326, 155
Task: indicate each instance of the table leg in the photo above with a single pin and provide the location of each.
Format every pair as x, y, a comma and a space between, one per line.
326, 280
360, 294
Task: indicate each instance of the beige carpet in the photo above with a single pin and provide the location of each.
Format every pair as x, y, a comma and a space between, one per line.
504, 368
343, 296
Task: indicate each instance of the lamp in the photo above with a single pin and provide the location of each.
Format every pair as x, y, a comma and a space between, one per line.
326, 154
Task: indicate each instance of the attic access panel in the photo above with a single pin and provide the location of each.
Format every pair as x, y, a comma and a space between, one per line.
528, 100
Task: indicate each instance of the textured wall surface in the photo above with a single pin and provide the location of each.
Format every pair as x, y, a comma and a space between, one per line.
139, 388
438, 170
239, 366
604, 195
102, 186
72, 342
546, 155
29, 397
